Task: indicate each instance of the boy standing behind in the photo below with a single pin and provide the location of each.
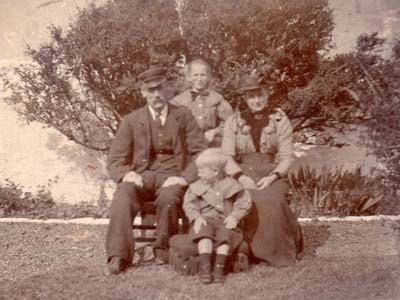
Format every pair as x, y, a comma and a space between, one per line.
209, 107
214, 205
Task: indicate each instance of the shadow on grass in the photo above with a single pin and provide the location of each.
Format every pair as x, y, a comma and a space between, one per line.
315, 236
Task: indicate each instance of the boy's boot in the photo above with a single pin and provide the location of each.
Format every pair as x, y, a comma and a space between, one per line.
205, 268
219, 268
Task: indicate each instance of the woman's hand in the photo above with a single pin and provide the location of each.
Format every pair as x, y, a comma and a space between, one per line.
266, 181
200, 221
247, 182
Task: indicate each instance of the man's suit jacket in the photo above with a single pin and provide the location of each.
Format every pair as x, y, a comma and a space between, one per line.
131, 148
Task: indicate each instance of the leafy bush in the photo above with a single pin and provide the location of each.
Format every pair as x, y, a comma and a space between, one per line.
85, 78
382, 105
269, 37
334, 192
328, 192
16, 203
80, 210
373, 83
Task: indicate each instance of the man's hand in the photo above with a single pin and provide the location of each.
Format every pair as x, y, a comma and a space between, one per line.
198, 223
247, 182
133, 177
230, 222
266, 182
174, 180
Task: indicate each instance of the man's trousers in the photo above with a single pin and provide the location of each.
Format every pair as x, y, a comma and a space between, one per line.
127, 202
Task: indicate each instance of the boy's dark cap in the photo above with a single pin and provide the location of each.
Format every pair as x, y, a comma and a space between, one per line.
250, 82
152, 77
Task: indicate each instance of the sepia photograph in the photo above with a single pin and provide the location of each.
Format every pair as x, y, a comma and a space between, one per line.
200, 149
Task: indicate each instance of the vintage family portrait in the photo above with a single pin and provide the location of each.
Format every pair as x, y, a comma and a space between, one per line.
200, 149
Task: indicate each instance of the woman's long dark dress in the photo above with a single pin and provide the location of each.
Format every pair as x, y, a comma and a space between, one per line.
271, 227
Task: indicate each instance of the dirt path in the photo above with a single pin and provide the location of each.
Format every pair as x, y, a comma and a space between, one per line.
342, 260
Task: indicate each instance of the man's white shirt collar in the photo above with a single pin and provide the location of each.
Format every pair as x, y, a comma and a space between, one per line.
163, 113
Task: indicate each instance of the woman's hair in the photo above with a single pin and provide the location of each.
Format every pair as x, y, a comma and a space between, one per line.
212, 157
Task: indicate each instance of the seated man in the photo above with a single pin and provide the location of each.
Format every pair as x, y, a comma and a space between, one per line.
149, 159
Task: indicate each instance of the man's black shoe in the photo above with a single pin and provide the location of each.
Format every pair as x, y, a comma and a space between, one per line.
160, 256
115, 266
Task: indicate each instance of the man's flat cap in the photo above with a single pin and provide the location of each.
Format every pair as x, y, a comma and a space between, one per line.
152, 77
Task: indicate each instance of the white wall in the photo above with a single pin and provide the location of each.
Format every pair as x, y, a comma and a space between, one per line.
354, 17
32, 155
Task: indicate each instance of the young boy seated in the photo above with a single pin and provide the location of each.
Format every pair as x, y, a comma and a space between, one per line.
214, 205
209, 107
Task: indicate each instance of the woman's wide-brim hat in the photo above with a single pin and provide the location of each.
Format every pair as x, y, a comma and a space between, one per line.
250, 82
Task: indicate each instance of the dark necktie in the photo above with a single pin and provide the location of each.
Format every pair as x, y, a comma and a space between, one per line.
157, 120
195, 94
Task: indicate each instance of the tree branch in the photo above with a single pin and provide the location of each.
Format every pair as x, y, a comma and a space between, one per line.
386, 127
392, 147
371, 81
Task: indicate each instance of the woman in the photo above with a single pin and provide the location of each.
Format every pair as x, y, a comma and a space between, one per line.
260, 140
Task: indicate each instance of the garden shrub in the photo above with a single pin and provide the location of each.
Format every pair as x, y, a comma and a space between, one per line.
338, 191
328, 192
14, 202
373, 81
85, 79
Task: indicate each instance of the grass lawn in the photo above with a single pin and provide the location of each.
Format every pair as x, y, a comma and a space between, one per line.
341, 261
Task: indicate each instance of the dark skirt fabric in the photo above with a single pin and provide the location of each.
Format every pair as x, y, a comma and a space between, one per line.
271, 227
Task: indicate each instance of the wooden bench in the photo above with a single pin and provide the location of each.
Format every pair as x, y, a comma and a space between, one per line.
144, 223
